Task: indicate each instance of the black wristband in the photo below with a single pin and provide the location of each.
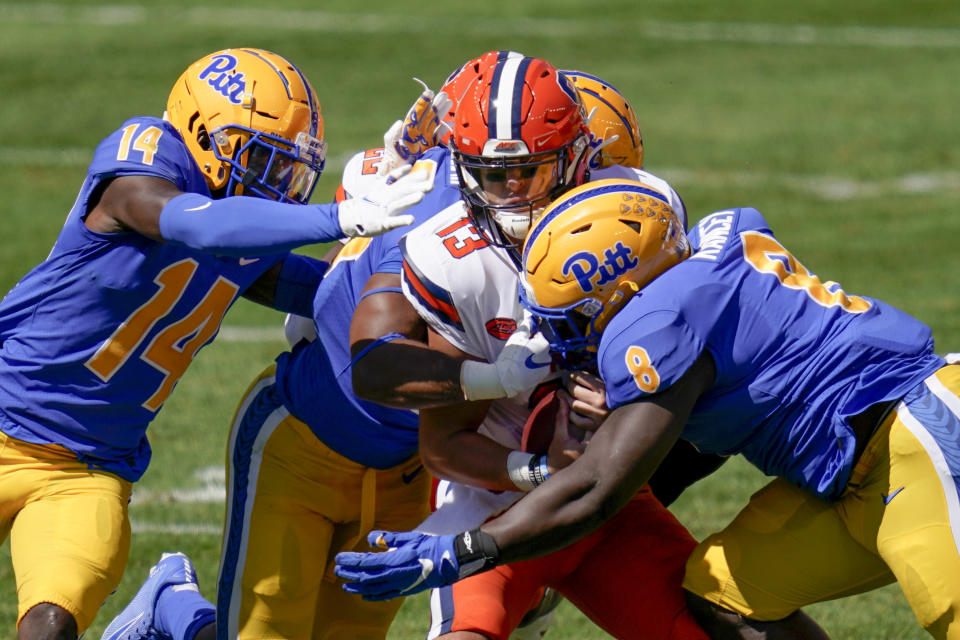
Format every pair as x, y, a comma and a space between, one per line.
476, 552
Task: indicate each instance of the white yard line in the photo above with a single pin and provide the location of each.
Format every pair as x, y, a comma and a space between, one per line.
251, 334
823, 186
176, 528
319, 21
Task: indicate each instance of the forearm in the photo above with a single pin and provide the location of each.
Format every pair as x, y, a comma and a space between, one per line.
405, 373
565, 509
468, 457
620, 459
243, 226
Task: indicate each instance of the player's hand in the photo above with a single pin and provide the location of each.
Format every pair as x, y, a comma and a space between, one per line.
523, 363
379, 210
412, 562
589, 399
421, 128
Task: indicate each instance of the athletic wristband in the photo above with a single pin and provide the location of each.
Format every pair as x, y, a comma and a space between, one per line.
476, 552
544, 469
518, 467
480, 381
538, 470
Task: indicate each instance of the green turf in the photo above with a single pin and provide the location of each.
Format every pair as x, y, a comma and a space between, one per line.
835, 119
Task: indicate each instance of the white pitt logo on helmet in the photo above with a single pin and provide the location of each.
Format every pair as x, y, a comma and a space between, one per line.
216, 74
586, 267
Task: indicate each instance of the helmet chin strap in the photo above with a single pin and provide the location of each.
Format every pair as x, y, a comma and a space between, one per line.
516, 224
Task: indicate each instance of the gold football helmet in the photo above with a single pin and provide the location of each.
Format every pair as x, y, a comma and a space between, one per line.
252, 122
613, 117
589, 253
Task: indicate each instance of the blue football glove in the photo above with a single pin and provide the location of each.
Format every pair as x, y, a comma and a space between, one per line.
412, 562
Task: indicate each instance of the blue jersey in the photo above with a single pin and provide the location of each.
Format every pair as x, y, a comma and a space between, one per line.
795, 357
315, 379
95, 337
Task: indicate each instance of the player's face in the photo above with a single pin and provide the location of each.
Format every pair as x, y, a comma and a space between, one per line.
523, 184
281, 173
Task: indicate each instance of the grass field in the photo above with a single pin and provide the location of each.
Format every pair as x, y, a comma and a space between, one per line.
836, 120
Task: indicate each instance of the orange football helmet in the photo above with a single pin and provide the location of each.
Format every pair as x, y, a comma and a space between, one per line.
519, 141
456, 84
252, 122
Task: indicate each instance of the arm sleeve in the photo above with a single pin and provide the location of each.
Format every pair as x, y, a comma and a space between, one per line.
297, 284
244, 226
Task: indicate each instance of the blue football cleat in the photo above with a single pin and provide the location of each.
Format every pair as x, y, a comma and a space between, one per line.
135, 622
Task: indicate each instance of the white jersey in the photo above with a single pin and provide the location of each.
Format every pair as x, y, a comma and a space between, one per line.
466, 290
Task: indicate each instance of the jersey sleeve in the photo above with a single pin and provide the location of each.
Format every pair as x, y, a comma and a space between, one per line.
658, 336
147, 146
429, 292
360, 173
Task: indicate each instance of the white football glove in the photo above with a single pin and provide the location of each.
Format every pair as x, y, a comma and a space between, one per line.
952, 358
523, 364
421, 128
378, 210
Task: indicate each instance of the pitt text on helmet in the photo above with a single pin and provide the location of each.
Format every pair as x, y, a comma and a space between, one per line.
586, 267
217, 75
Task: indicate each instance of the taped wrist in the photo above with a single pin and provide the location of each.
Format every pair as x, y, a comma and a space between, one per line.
518, 468
539, 472
480, 381
476, 552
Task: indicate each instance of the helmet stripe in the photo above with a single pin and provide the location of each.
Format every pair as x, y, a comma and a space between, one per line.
506, 92
623, 118
586, 195
286, 85
314, 122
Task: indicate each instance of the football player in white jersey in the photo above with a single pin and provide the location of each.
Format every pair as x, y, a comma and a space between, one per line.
520, 140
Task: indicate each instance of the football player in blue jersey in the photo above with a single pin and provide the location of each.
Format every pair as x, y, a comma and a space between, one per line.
176, 218
311, 469
727, 339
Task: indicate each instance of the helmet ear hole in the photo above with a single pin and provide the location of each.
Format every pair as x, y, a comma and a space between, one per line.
203, 138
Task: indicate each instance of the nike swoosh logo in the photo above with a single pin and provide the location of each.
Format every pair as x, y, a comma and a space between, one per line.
426, 568
121, 633
201, 207
408, 477
533, 364
245, 261
887, 499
